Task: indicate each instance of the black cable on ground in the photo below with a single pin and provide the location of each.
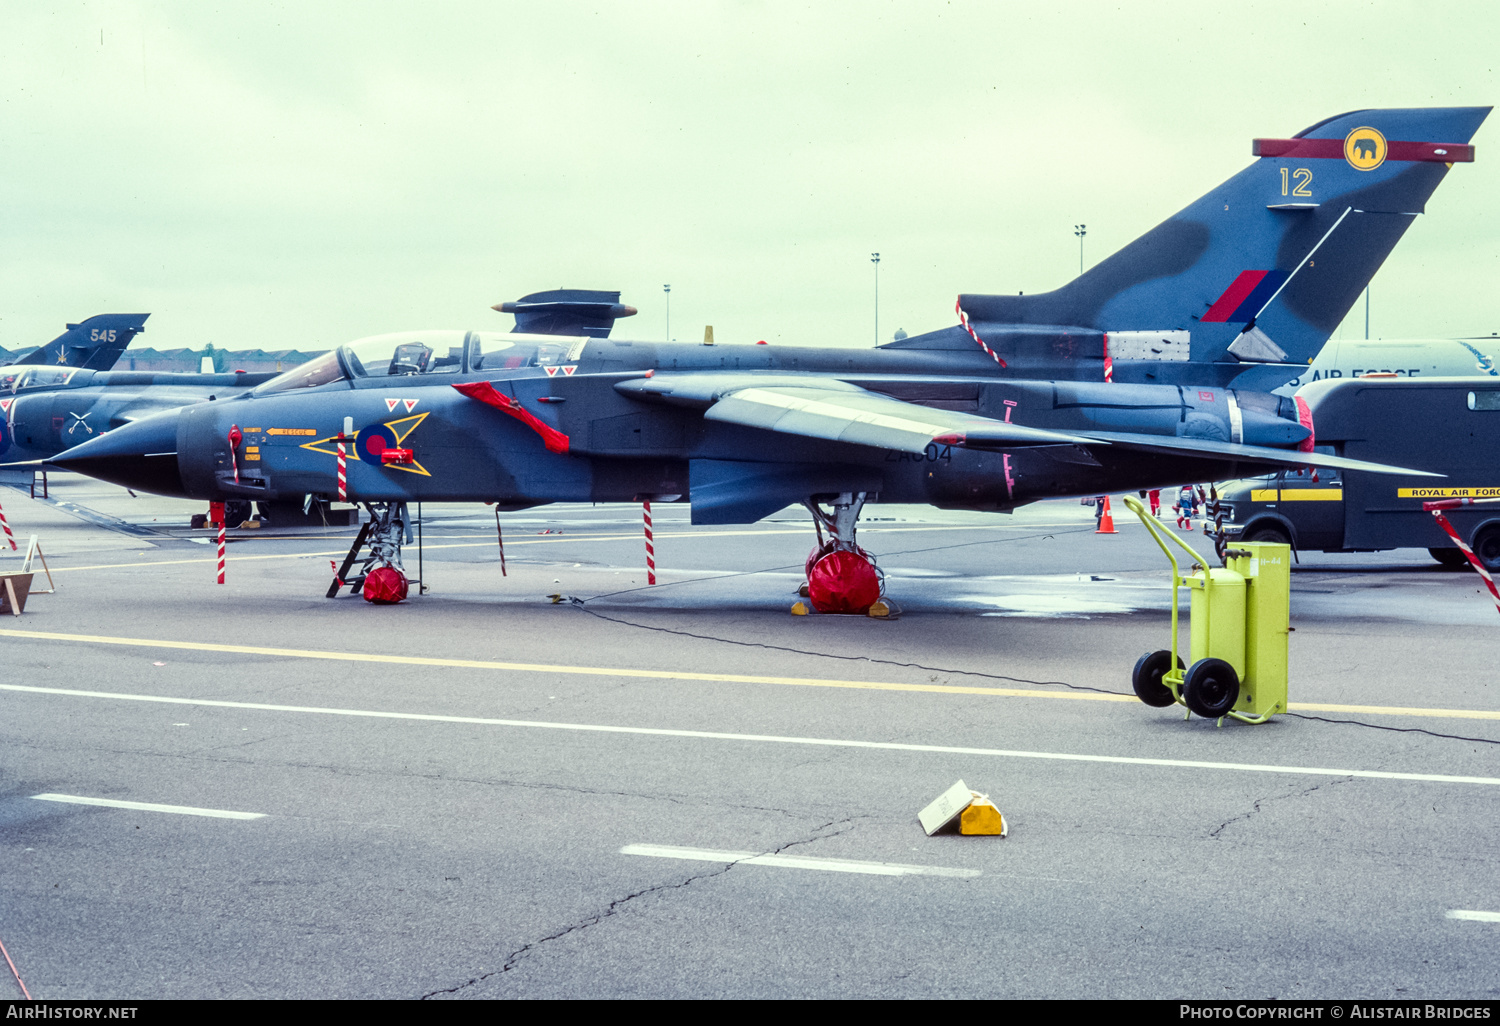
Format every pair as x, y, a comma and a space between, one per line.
580, 604
1401, 730
798, 566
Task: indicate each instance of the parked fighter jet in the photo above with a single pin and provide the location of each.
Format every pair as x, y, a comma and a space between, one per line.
1149, 370
94, 344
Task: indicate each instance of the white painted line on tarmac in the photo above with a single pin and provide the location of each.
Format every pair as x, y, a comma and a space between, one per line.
827, 865
711, 735
179, 810
1478, 917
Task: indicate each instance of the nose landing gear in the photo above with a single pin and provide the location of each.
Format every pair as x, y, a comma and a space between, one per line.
841, 576
381, 578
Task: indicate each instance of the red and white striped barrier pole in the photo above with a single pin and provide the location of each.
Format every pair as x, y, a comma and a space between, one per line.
1436, 509
650, 549
221, 549
8, 536
343, 474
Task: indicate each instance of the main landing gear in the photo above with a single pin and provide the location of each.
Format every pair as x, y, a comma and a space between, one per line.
381, 577
841, 576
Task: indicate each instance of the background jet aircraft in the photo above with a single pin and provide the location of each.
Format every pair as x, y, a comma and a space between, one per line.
1405, 358
1146, 371
95, 344
567, 312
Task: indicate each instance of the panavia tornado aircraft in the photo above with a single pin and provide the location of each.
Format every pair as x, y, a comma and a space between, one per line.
1151, 369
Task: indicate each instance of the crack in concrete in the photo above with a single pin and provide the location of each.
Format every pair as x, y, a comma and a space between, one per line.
1256, 807
223, 755
514, 958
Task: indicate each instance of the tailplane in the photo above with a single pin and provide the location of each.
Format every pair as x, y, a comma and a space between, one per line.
567, 312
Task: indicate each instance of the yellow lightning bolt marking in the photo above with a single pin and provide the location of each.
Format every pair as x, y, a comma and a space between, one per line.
412, 422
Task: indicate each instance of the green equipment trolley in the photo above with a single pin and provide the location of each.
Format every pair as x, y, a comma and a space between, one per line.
1240, 619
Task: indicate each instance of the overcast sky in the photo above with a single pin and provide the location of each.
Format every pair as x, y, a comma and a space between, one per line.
297, 175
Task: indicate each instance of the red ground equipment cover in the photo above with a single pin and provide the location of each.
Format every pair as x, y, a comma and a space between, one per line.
843, 582
819, 551
385, 586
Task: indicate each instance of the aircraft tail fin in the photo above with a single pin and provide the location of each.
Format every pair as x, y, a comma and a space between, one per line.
1262, 268
567, 312
94, 344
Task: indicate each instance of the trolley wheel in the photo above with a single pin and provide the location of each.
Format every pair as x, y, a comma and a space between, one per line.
1453, 559
1210, 688
1147, 675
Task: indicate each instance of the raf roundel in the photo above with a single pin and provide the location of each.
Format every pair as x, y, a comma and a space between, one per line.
372, 441
1365, 149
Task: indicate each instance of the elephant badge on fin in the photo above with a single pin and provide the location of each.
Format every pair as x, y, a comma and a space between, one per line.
1364, 148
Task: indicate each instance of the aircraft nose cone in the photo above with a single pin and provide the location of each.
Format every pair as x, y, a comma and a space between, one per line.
140, 456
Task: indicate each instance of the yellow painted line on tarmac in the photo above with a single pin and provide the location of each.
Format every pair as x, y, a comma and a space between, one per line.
589, 671
722, 678
556, 540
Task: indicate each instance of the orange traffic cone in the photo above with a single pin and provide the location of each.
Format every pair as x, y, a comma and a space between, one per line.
1106, 521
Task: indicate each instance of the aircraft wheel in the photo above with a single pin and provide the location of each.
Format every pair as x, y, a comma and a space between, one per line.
1147, 675
1269, 533
1453, 559
1210, 688
1486, 546
236, 512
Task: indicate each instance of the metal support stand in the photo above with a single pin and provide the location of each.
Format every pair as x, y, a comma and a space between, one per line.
421, 585
33, 553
